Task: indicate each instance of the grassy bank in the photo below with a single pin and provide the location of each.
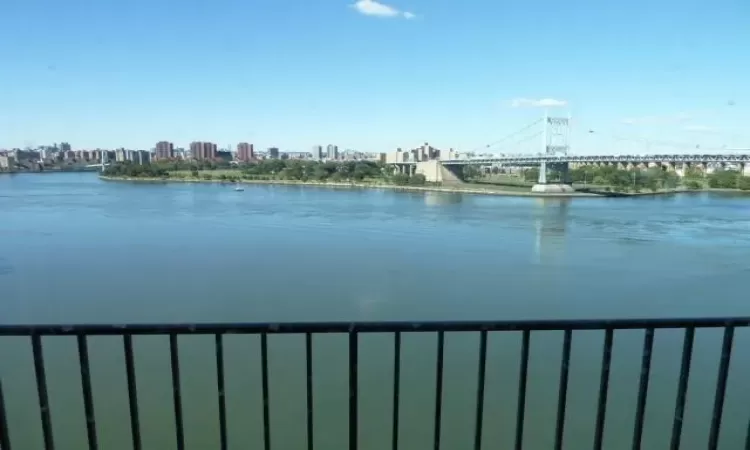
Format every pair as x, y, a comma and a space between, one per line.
372, 184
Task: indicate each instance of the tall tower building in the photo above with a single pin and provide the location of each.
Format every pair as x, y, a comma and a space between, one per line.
317, 152
332, 152
203, 150
164, 150
245, 151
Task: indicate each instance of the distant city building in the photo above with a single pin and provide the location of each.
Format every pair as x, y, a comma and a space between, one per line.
296, 155
64, 147
164, 150
142, 157
7, 162
203, 150
69, 155
332, 152
273, 153
245, 152
398, 156
317, 152
121, 155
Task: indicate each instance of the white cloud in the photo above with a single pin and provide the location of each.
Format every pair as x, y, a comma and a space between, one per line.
537, 103
377, 9
700, 129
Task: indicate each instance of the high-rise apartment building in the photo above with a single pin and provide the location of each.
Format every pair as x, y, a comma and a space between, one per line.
332, 152
164, 150
273, 153
317, 152
203, 150
64, 147
245, 151
142, 156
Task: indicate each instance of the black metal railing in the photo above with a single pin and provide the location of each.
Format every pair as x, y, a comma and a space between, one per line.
36, 333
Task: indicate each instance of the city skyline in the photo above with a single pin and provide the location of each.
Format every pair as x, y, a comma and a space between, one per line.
664, 72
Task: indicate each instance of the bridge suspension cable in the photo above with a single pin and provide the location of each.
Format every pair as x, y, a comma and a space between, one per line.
520, 141
506, 137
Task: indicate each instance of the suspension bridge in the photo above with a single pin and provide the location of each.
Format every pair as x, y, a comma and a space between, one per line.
545, 142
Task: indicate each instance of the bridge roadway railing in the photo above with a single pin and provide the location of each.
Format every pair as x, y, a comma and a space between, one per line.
39, 334
636, 159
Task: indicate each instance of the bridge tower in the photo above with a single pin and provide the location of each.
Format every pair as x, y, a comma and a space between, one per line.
555, 142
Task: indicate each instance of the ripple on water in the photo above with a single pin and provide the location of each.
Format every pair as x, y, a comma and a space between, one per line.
5, 267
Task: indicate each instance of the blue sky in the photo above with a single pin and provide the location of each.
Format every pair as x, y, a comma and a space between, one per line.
643, 74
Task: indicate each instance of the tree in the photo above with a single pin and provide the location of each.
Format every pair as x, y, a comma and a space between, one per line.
469, 172
417, 180
693, 184
400, 179
319, 173
693, 172
723, 179
361, 171
744, 182
671, 180
531, 174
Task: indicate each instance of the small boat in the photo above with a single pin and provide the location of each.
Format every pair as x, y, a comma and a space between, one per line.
239, 189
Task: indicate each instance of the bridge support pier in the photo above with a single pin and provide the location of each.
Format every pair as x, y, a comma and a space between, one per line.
562, 187
542, 173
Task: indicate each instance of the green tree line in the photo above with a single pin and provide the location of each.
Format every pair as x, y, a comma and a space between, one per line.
270, 169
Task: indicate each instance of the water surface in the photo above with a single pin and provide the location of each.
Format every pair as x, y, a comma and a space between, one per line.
75, 249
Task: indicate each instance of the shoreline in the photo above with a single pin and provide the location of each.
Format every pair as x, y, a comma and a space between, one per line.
449, 190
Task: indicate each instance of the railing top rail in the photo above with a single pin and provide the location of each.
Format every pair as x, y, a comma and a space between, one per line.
369, 327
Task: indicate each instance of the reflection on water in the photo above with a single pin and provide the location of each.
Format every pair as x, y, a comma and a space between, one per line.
80, 250
550, 222
442, 198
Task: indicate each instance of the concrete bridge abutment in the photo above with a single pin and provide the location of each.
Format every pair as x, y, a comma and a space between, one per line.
563, 186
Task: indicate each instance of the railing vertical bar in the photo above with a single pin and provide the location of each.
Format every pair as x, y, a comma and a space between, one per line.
135, 428
601, 411
41, 387
221, 390
264, 382
648, 346
176, 390
721, 386
396, 387
563, 389
88, 402
522, 381
479, 415
4, 432
309, 388
439, 388
353, 391
682, 386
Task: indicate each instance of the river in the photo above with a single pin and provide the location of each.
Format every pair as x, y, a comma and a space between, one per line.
76, 249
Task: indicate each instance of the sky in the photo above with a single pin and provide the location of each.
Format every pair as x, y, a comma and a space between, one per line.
638, 76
